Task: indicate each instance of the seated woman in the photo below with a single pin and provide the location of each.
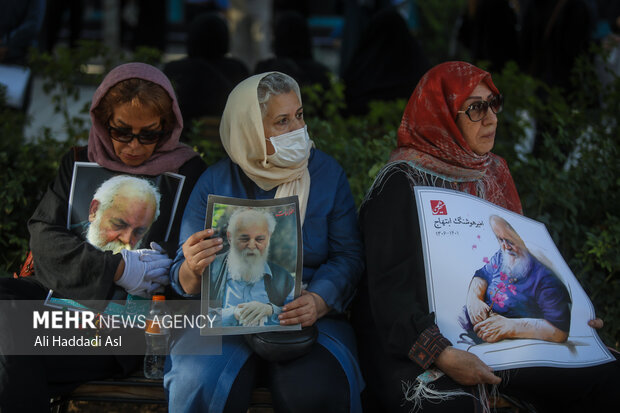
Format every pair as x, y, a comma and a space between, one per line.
444, 140
136, 124
259, 109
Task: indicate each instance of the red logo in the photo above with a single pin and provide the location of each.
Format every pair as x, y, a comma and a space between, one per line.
438, 208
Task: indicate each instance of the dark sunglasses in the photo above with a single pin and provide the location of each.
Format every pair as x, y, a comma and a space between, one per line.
125, 135
478, 110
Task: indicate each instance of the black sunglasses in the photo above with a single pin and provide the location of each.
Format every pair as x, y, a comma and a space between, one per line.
478, 110
125, 135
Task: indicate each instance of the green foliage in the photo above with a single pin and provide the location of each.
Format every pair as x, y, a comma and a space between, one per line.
571, 183
436, 27
26, 170
361, 145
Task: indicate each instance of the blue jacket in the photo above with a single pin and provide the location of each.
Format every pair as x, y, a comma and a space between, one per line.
332, 259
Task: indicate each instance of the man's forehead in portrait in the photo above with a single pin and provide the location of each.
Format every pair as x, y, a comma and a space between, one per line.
506, 235
250, 229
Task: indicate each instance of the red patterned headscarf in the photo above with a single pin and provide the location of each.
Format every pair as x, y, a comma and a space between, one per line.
430, 140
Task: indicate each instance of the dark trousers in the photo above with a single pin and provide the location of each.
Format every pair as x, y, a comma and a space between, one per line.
548, 389
312, 383
28, 382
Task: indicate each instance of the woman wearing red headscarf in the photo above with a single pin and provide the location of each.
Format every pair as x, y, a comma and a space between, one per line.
444, 140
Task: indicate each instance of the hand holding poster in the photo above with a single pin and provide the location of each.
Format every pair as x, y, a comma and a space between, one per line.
259, 269
500, 288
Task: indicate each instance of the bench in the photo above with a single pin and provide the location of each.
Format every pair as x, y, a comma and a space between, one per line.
137, 389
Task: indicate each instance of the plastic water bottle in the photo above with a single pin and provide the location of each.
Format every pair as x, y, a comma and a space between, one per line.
157, 338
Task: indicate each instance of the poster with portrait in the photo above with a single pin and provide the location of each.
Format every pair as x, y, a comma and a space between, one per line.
499, 287
114, 211
259, 268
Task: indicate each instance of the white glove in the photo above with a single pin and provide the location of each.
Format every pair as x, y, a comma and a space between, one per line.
254, 313
146, 270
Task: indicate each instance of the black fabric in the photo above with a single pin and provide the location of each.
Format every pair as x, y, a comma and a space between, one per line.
386, 65
394, 269
200, 88
283, 345
242, 387
550, 47
312, 383
53, 22
28, 382
391, 310
293, 50
208, 38
491, 33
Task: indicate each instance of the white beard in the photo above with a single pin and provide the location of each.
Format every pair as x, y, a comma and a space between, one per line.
246, 265
93, 236
514, 266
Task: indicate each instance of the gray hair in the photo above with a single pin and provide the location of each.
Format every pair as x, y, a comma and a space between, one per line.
252, 216
274, 84
132, 186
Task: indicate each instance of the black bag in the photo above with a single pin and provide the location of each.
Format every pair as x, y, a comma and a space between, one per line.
283, 345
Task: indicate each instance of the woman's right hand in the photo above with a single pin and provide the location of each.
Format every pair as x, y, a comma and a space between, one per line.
465, 368
199, 251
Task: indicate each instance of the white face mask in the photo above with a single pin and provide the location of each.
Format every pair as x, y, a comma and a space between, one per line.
290, 148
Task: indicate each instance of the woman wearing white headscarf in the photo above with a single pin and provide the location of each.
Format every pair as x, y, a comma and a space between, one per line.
270, 156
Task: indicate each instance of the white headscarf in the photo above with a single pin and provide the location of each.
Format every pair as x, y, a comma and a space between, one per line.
243, 137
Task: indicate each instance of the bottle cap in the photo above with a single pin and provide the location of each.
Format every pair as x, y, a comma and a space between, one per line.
159, 298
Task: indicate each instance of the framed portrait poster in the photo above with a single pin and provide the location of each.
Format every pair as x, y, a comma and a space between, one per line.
119, 204
259, 268
499, 287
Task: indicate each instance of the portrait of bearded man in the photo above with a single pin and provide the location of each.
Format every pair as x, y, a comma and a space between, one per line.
251, 288
515, 296
121, 213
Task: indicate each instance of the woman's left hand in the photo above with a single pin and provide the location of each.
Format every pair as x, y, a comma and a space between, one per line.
305, 309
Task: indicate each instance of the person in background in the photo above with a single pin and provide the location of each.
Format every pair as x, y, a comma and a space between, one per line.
208, 37
293, 52
251, 27
136, 124
444, 140
20, 24
386, 65
270, 155
53, 22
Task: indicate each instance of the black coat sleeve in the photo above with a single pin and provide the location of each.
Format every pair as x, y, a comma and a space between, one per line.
64, 261
395, 266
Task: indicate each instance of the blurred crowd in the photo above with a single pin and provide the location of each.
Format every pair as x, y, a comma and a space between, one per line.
380, 55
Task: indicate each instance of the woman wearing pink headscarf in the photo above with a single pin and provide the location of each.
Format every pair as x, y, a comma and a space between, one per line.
136, 125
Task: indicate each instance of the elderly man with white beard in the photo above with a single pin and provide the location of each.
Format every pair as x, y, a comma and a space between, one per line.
252, 290
121, 213
515, 296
